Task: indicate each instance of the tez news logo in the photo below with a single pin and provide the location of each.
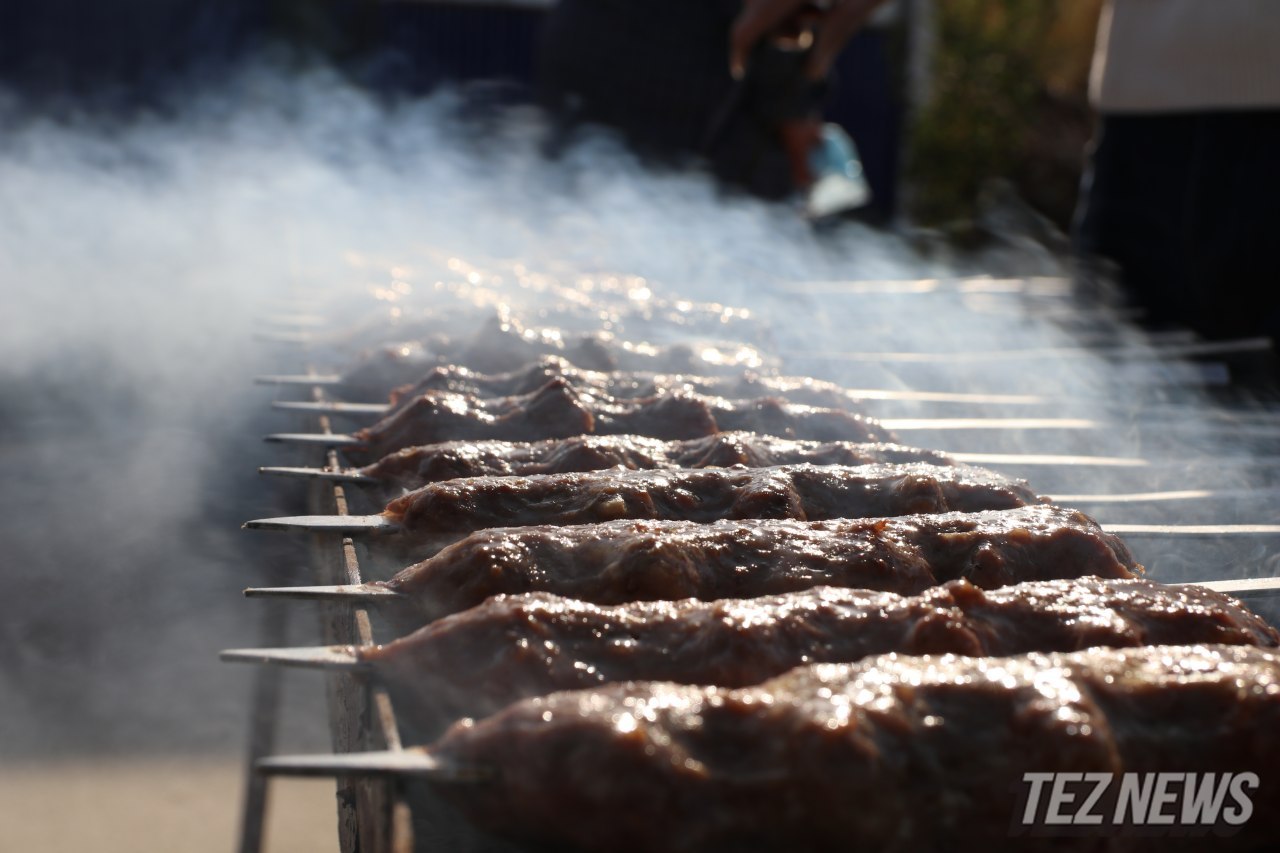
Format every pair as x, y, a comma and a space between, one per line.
1134, 803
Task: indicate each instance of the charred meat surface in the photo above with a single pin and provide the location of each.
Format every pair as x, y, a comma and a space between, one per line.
895, 753
553, 411
506, 347
508, 648
416, 466
806, 492
456, 379
622, 384
667, 561
558, 410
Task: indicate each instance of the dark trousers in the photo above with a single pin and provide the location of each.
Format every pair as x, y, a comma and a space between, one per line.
1188, 206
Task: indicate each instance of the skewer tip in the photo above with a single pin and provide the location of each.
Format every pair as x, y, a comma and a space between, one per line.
322, 438
1193, 531
343, 476
315, 657
332, 407
1241, 587
346, 592
325, 524
408, 762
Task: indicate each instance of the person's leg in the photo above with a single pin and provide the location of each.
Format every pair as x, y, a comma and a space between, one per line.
1233, 226
1134, 203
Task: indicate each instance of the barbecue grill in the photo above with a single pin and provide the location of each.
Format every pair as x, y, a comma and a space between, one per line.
1154, 499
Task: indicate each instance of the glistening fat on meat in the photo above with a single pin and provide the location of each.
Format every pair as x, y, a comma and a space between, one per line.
623, 384
512, 647
669, 560
414, 467
558, 410
893, 753
438, 511
506, 347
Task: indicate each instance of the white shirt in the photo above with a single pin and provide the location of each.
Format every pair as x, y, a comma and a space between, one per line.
1187, 55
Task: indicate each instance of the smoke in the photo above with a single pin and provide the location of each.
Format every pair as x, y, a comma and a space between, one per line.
136, 254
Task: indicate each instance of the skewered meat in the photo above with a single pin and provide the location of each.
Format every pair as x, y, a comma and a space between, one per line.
894, 753
558, 410
772, 416
645, 561
553, 411
807, 492
416, 466
487, 310
626, 385
474, 663
504, 346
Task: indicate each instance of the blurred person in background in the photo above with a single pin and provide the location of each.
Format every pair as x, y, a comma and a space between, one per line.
1183, 190
737, 82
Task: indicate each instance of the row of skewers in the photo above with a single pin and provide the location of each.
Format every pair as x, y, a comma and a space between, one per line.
720, 609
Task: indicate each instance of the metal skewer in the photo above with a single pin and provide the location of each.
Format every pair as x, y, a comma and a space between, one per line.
950, 424
334, 658
323, 439
353, 475
326, 524
332, 407
349, 475
1194, 531
309, 380
1173, 496
854, 395
1131, 353
1159, 415
1168, 496
405, 762
1049, 459
340, 592
1240, 587
894, 424
921, 425
381, 524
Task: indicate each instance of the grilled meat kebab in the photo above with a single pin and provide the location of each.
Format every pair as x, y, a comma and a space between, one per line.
558, 410
670, 560
894, 753
414, 467
624, 385
808, 492
511, 647
506, 347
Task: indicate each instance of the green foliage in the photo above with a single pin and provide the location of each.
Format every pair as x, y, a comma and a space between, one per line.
987, 75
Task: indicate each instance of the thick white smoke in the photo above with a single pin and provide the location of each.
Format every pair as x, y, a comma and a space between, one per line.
135, 255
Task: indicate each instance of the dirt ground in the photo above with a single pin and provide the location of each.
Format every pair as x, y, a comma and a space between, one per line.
124, 805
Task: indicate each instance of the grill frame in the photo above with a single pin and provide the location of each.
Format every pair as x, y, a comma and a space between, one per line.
373, 814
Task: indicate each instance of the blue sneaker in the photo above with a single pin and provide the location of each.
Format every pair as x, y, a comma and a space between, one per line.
838, 182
